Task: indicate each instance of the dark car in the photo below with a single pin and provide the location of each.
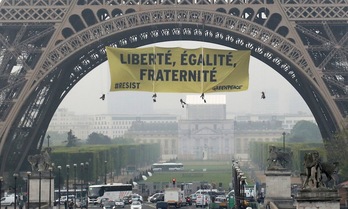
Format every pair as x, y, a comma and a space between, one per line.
109, 205
162, 205
127, 199
159, 197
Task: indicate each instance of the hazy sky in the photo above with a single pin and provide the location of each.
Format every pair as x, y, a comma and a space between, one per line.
281, 97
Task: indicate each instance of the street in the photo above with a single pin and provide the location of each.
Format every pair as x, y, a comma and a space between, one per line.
146, 205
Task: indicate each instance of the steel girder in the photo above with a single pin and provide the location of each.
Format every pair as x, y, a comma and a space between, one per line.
46, 47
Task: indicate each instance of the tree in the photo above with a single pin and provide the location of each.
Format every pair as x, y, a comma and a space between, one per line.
337, 149
121, 140
96, 138
305, 131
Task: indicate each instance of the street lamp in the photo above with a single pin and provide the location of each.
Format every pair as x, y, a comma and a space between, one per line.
87, 183
48, 140
243, 189
50, 186
283, 141
105, 163
59, 168
39, 189
28, 188
15, 175
67, 181
81, 179
75, 165
0, 189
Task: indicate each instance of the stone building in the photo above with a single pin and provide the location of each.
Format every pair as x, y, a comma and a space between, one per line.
166, 134
206, 133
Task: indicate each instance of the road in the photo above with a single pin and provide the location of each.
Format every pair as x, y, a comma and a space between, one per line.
146, 205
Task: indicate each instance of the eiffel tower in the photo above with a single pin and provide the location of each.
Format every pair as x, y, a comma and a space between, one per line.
47, 46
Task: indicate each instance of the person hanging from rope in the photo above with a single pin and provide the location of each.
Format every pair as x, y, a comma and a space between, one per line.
183, 103
263, 96
154, 96
202, 96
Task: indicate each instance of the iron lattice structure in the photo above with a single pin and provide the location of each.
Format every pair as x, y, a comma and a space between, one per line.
47, 46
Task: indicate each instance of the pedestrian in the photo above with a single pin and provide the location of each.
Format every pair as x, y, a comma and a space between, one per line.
71, 205
21, 204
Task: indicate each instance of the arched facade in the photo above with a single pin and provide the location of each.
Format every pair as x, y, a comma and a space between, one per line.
56, 43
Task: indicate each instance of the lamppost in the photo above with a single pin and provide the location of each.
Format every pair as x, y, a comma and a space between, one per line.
59, 168
39, 189
87, 183
0, 189
243, 189
283, 141
75, 165
48, 140
67, 181
28, 189
50, 186
105, 163
15, 175
81, 178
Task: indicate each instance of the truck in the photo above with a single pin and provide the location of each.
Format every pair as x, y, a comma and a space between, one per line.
174, 197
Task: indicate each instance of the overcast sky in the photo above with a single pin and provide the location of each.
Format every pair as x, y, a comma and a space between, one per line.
281, 97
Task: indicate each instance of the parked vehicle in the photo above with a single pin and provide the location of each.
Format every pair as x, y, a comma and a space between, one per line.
8, 200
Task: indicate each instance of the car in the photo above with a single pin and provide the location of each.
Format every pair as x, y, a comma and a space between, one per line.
136, 204
9, 200
222, 201
119, 204
102, 201
162, 205
136, 197
193, 198
81, 203
63, 199
109, 204
127, 199
156, 197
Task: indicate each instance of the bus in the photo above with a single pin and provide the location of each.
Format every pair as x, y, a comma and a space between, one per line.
115, 192
167, 167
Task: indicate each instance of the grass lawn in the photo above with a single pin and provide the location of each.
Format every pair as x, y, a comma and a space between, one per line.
198, 171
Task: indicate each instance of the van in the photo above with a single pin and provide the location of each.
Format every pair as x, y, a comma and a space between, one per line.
9, 200
202, 200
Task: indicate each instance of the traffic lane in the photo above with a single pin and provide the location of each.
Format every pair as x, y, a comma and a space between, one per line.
91, 206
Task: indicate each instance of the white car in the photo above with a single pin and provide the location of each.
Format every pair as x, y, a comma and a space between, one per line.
8, 200
136, 197
136, 205
119, 204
